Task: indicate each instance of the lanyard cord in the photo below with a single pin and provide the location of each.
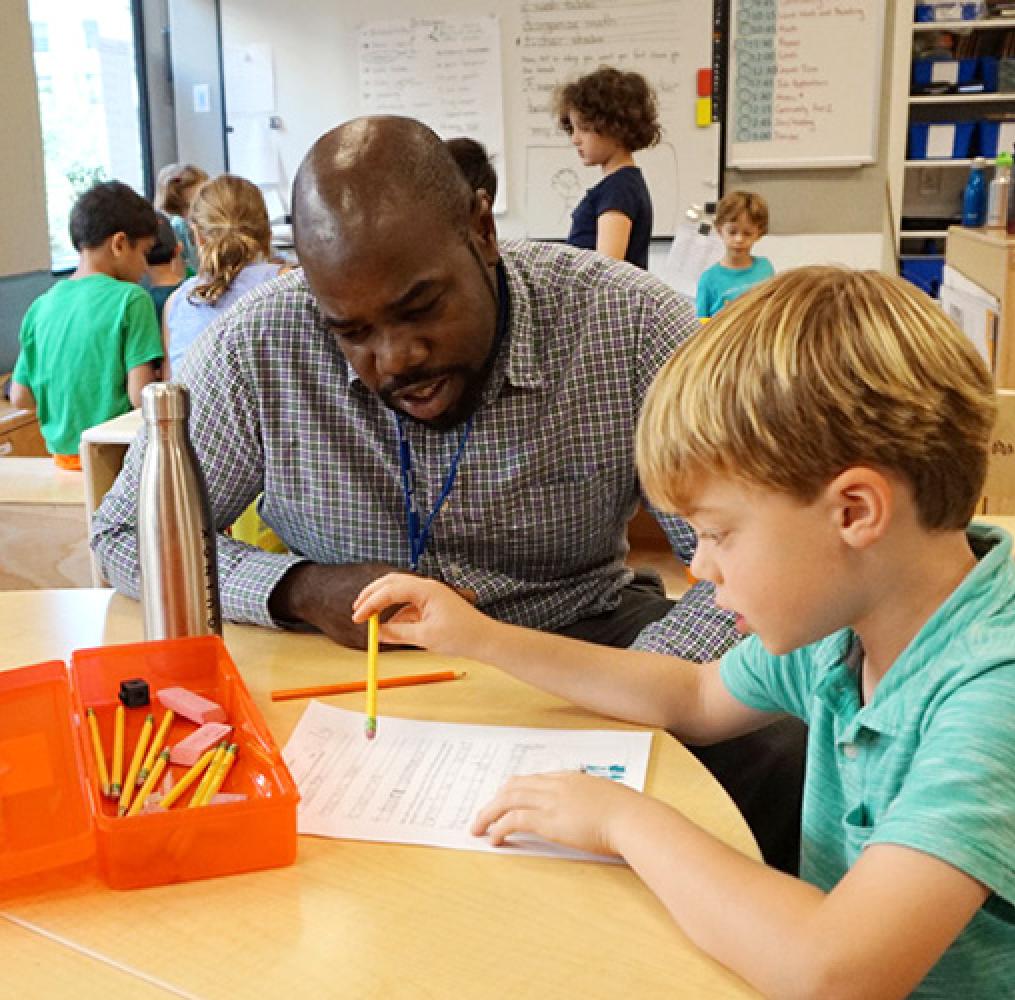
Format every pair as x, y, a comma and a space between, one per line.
419, 534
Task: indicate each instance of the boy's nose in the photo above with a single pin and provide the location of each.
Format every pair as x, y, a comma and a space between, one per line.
398, 353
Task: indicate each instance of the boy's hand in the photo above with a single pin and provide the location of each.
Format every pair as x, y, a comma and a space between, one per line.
576, 810
430, 615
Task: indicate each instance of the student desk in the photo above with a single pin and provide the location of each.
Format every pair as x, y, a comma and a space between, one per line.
356, 919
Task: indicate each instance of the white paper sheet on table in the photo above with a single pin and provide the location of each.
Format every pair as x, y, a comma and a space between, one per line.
422, 782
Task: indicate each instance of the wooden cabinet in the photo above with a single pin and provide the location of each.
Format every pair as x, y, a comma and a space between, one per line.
988, 259
19, 433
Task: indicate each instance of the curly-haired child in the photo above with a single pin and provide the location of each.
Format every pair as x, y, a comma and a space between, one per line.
610, 115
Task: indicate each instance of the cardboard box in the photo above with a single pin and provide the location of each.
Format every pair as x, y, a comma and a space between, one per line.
52, 812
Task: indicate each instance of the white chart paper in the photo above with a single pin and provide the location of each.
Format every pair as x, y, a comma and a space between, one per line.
423, 782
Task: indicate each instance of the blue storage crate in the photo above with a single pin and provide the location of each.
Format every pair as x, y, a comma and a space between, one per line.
995, 137
961, 140
948, 10
924, 272
954, 71
998, 75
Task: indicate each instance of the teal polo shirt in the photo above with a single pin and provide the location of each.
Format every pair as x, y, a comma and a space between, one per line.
928, 764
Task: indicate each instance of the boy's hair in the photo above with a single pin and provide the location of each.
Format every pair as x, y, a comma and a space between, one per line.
474, 163
166, 242
175, 183
107, 208
737, 203
231, 218
621, 106
812, 372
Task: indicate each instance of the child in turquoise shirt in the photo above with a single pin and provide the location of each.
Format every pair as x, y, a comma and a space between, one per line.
741, 219
827, 436
91, 343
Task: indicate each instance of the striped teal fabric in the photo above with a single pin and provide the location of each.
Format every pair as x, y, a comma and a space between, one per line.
929, 763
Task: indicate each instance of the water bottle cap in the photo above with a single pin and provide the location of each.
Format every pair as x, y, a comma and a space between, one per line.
165, 401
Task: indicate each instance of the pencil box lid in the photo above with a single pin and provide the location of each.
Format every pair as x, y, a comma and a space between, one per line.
46, 812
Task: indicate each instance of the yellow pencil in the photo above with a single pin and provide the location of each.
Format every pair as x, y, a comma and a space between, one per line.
100, 755
219, 777
161, 763
156, 748
188, 779
220, 753
116, 781
371, 722
135, 763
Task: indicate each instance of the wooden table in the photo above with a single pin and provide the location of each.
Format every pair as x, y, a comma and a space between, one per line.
356, 919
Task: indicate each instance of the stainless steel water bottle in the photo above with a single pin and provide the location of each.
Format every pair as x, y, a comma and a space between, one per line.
175, 535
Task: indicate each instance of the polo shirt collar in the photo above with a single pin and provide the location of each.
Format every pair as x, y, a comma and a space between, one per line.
974, 598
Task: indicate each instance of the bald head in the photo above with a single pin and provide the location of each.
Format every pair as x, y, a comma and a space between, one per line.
377, 174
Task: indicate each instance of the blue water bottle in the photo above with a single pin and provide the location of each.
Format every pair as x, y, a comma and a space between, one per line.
974, 198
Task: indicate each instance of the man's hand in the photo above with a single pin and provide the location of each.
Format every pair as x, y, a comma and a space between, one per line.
322, 596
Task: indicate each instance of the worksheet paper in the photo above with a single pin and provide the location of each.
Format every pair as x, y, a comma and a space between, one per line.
423, 782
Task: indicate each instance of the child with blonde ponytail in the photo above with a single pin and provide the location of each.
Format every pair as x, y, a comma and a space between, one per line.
233, 234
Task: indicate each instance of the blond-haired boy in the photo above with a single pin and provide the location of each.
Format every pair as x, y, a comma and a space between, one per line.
741, 219
827, 436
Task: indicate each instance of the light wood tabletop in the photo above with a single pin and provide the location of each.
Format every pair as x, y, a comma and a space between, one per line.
355, 919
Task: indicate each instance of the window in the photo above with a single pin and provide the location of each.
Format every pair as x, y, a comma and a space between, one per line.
86, 69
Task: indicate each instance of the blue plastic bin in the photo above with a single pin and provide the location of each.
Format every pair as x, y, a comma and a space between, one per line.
924, 272
962, 140
946, 11
923, 70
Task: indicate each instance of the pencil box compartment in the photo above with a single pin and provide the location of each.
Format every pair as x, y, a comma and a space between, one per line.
53, 815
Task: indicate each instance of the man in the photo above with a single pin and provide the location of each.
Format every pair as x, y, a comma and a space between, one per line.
419, 397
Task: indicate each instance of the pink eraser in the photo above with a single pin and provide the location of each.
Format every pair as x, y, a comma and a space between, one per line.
188, 751
191, 706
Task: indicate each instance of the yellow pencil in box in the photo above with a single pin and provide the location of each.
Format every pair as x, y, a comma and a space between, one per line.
188, 779
220, 775
198, 795
161, 763
135, 763
156, 748
100, 754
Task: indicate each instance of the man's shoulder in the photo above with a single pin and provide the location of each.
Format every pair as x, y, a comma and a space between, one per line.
558, 270
281, 307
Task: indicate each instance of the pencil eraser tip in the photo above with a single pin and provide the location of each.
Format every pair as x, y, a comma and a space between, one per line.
370, 729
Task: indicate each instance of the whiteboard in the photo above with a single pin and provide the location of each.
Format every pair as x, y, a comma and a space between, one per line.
443, 71
804, 83
498, 89
666, 42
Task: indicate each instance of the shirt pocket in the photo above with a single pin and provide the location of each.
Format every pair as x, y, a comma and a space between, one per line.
857, 829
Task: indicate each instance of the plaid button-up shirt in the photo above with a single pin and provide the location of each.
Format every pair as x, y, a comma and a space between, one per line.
536, 521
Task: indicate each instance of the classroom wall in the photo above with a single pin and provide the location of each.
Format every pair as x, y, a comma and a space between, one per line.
24, 240
851, 201
24, 237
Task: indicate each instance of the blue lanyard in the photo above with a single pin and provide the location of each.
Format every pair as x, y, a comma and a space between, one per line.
419, 533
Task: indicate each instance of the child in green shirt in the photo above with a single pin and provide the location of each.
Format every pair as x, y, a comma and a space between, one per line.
91, 343
826, 434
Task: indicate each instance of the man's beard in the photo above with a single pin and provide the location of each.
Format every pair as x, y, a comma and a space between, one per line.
474, 382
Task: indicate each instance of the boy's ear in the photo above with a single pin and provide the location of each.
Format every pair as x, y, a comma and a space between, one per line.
862, 501
119, 243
